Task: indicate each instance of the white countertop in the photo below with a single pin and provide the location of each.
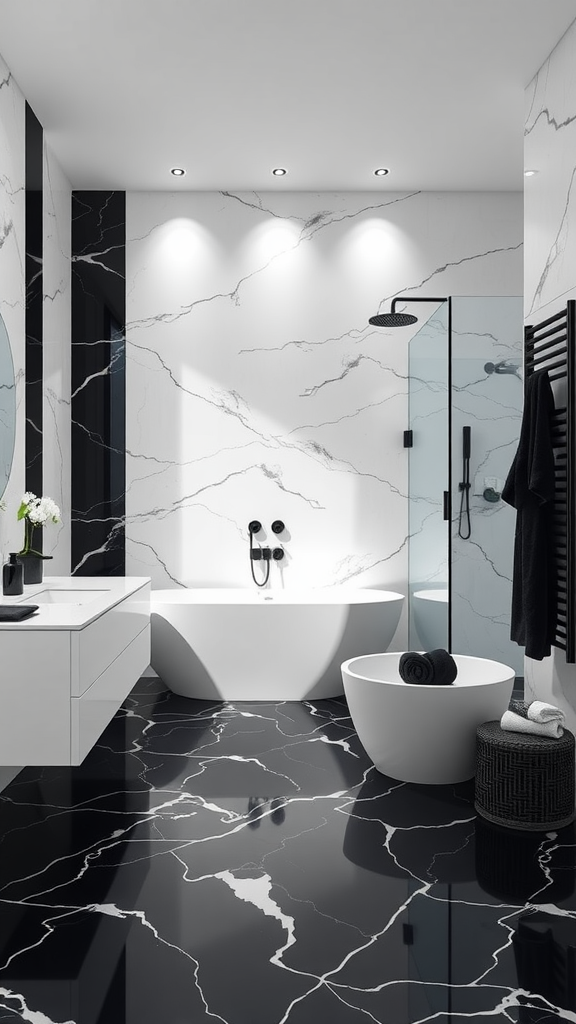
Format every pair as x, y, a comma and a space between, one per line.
97, 594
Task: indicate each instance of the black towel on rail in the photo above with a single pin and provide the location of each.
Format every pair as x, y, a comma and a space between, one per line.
529, 488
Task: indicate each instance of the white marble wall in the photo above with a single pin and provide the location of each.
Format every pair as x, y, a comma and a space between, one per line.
56, 356
485, 331
550, 260
550, 196
12, 270
256, 388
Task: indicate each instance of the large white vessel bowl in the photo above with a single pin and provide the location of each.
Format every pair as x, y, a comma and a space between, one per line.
240, 644
420, 733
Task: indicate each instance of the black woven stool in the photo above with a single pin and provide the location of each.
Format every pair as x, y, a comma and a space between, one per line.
524, 781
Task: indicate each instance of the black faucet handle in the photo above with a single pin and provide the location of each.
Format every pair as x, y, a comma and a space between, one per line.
254, 526
278, 526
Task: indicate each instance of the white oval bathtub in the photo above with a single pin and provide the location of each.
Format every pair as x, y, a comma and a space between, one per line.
240, 644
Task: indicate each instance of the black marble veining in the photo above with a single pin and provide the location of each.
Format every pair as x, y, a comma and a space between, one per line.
98, 382
245, 863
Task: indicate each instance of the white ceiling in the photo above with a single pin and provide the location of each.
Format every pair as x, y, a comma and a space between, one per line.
330, 89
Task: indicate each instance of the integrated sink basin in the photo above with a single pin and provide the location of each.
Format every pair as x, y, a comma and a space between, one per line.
61, 596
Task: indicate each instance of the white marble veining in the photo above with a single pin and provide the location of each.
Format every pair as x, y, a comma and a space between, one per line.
12, 260
256, 387
56, 356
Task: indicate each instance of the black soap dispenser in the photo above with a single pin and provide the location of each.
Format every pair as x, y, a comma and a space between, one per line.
12, 576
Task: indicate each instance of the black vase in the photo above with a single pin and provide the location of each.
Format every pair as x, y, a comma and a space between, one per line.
33, 568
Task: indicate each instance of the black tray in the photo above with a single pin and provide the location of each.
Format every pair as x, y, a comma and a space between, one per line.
16, 612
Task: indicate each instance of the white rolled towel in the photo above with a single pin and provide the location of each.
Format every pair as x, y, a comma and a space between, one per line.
539, 711
512, 722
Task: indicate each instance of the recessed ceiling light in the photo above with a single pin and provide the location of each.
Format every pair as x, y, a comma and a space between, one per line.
279, 171
177, 172
381, 171
530, 174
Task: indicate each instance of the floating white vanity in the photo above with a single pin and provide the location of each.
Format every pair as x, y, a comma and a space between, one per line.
65, 671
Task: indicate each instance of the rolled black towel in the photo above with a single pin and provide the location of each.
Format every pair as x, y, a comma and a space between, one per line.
416, 668
437, 668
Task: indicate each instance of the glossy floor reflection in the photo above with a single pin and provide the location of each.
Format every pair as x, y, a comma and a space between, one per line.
246, 864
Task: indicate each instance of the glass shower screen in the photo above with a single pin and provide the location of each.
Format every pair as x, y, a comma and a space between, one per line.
428, 479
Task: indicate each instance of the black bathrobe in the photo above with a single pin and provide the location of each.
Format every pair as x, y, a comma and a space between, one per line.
529, 488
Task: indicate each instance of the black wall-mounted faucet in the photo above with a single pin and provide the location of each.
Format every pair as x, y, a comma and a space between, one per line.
264, 554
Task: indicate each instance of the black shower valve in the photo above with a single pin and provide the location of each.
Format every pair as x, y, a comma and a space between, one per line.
254, 526
278, 526
277, 554
261, 554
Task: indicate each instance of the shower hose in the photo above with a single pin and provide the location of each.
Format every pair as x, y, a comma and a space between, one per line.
265, 580
464, 526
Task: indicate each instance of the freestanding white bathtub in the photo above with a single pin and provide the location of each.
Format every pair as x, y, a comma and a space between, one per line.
418, 732
240, 644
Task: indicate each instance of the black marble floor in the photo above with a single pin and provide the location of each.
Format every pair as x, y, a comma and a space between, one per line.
246, 864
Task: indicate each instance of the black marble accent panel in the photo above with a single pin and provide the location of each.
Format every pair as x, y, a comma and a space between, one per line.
245, 863
98, 382
34, 292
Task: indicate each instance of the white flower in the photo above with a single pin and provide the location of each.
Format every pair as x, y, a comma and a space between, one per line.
48, 509
36, 515
38, 510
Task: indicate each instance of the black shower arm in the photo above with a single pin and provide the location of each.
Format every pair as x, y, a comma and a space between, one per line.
418, 298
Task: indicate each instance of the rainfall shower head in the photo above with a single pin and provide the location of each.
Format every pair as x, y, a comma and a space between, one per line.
392, 319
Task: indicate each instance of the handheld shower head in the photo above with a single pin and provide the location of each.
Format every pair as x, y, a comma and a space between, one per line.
504, 366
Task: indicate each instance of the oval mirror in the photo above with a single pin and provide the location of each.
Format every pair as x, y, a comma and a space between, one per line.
7, 407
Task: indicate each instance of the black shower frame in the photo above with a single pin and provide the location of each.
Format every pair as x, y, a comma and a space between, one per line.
549, 346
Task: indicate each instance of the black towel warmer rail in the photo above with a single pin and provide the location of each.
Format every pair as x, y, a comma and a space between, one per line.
550, 346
